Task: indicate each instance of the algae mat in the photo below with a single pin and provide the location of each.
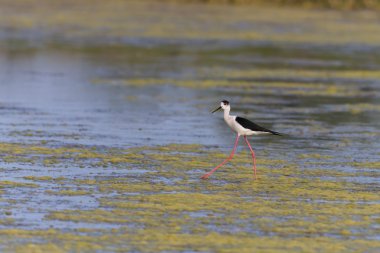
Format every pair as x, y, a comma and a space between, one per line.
151, 199
159, 22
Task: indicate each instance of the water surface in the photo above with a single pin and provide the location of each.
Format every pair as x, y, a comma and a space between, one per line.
89, 122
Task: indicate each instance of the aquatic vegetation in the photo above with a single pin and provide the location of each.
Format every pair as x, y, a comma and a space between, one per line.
286, 202
115, 19
362, 107
69, 192
13, 152
70, 187
339, 4
372, 165
7, 221
10, 184
315, 156
316, 83
167, 207
40, 178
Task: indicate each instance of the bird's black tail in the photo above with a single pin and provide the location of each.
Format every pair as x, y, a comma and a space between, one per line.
276, 133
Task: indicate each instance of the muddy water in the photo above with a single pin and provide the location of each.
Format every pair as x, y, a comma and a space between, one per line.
87, 133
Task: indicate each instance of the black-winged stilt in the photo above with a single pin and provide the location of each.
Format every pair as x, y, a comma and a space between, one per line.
242, 127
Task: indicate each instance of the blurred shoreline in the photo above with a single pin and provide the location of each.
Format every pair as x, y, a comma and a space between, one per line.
308, 4
36, 22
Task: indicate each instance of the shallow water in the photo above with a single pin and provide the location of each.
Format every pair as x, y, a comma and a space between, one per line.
71, 96
87, 127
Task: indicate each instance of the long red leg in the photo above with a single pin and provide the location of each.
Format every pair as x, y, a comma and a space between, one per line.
205, 176
253, 156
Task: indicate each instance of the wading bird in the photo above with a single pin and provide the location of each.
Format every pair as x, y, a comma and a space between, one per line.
242, 127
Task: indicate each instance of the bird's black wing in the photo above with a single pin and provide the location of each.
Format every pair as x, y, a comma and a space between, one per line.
254, 127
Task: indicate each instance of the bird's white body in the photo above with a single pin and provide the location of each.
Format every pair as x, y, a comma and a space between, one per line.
234, 125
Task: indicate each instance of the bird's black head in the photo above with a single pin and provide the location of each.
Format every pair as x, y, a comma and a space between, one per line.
225, 102
223, 105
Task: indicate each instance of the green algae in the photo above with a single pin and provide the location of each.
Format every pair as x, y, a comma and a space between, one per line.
68, 192
7, 221
11, 184
37, 248
209, 242
290, 207
39, 178
339, 4
371, 165
315, 156
265, 88
362, 107
49, 157
115, 19
67, 242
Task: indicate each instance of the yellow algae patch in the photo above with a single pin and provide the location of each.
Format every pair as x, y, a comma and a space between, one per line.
371, 165
45, 178
27, 233
183, 83
286, 88
90, 216
176, 202
362, 107
189, 148
39, 248
8, 184
39, 178
13, 152
7, 221
139, 19
68, 192
301, 73
156, 240
85, 181
242, 242
21, 149
314, 156
138, 187
51, 241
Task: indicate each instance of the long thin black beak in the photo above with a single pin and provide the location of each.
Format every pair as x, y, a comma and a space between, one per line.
217, 109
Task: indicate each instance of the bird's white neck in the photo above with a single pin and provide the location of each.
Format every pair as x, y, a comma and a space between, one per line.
226, 113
